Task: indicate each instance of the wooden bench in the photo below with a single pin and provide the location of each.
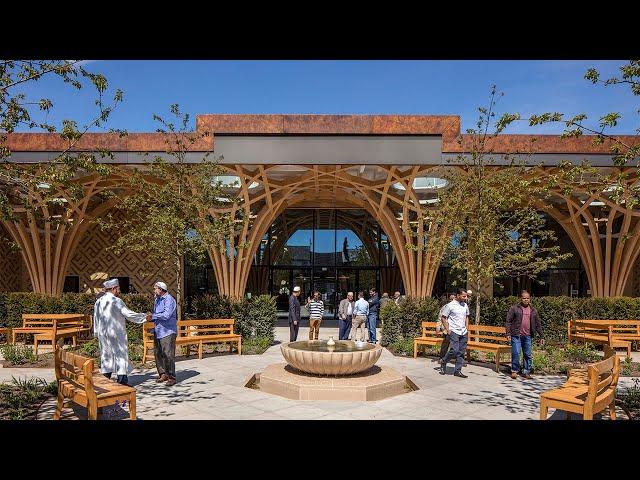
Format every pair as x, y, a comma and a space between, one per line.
486, 338
78, 382
195, 333
50, 327
4, 333
429, 337
586, 394
612, 333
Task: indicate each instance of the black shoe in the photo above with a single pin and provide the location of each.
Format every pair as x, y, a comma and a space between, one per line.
460, 374
443, 368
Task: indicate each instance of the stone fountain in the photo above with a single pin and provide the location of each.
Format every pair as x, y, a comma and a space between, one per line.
332, 370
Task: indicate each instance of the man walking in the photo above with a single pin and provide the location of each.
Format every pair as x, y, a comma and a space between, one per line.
166, 331
316, 310
444, 348
372, 318
455, 323
360, 312
345, 316
523, 323
294, 314
110, 315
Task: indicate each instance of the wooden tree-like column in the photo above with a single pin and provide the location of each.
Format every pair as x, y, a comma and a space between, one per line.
606, 235
232, 257
48, 233
399, 214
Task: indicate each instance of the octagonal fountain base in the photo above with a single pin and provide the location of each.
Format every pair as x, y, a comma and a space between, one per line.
374, 384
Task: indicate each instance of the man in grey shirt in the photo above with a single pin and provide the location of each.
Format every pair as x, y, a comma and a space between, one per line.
455, 324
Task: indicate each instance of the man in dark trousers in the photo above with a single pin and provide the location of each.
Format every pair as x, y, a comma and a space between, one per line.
294, 314
523, 323
372, 318
455, 324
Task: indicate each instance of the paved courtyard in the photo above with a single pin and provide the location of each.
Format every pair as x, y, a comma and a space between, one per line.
214, 389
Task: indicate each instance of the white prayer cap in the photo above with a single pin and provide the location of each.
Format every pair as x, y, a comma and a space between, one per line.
296, 289
162, 285
111, 283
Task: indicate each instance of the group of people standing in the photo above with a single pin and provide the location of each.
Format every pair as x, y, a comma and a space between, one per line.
110, 315
522, 325
352, 315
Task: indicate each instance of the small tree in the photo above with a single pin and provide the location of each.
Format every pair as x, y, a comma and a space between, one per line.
623, 150
166, 208
491, 212
44, 204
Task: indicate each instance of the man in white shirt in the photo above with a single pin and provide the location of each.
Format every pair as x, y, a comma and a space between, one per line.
455, 324
444, 348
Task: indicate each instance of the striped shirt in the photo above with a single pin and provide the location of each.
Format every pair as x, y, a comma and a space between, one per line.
316, 309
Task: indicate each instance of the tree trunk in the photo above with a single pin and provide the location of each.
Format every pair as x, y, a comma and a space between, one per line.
179, 286
477, 320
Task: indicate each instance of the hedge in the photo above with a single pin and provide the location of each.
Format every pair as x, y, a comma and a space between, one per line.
404, 322
14, 304
255, 317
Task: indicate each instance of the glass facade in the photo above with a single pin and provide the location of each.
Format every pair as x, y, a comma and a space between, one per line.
330, 250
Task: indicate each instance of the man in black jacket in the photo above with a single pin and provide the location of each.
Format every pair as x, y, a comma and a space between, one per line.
294, 314
523, 323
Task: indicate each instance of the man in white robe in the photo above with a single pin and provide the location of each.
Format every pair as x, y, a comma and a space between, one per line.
110, 315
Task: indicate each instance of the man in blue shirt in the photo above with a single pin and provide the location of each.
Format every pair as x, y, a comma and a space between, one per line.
360, 312
166, 331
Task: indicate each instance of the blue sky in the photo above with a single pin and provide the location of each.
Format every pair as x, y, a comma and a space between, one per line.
346, 87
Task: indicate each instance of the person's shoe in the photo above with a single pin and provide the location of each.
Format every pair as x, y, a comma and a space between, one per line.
514, 375
526, 376
162, 378
443, 368
459, 374
171, 382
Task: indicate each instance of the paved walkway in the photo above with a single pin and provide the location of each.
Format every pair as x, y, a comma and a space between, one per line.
213, 388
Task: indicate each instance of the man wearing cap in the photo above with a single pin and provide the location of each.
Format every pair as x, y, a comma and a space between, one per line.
166, 331
294, 314
110, 315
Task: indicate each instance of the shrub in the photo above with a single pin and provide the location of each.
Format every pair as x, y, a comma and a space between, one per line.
18, 354
254, 317
402, 346
52, 388
14, 304
89, 349
256, 345
585, 353
404, 322
540, 361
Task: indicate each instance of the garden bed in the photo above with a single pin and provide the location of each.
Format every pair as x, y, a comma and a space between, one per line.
22, 399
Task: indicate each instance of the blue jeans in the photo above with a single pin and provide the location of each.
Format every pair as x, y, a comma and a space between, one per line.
372, 324
458, 345
345, 328
519, 344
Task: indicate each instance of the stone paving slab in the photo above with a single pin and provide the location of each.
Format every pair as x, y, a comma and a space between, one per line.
213, 388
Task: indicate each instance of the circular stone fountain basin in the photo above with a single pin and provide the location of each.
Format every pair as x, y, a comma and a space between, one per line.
343, 358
